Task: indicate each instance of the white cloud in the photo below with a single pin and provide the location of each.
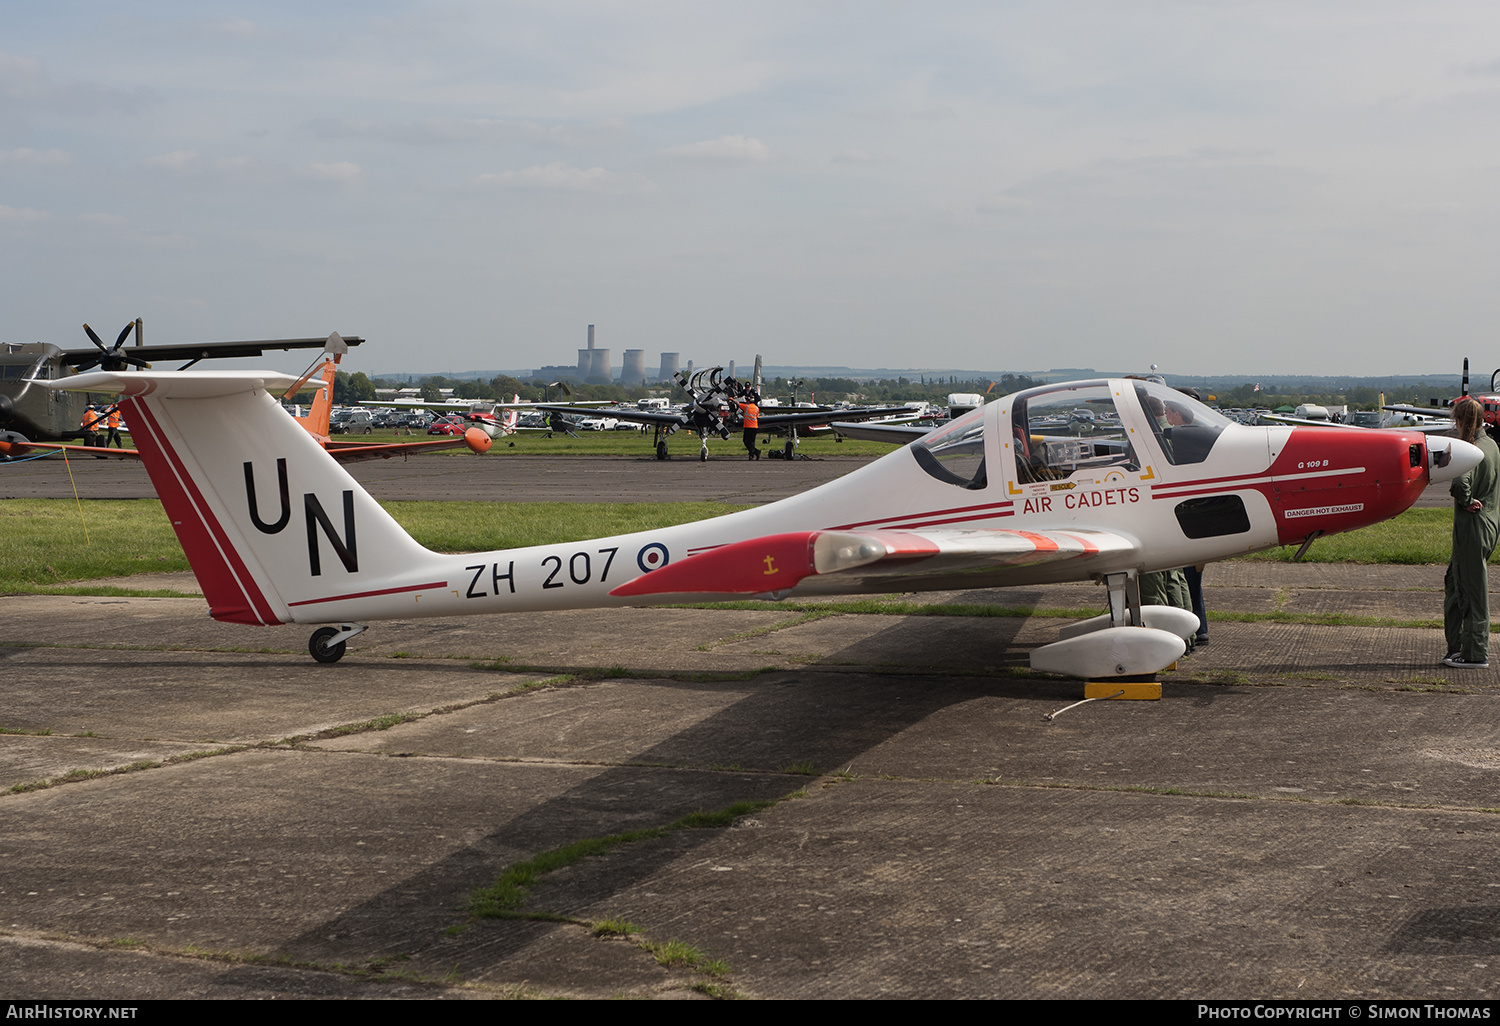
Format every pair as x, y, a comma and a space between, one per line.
177, 160
21, 215
725, 148
34, 158
561, 177
239, 169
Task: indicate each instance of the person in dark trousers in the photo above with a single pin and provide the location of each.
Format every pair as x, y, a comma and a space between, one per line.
92, 421
1476, 526
113, 438
750, 414
1194, 575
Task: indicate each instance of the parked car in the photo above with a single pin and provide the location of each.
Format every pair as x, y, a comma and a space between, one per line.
449, 425
351, 422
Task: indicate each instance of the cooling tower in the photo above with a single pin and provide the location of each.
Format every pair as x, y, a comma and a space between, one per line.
634, 370
599, 367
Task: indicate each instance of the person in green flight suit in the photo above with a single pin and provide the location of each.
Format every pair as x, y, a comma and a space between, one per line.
1476, 526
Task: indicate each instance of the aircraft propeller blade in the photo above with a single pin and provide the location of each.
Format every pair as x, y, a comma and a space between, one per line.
110, 357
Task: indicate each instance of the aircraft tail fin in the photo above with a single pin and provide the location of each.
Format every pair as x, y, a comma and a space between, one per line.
320, 412
275, 530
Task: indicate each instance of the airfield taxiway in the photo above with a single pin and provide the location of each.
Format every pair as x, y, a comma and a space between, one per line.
197, 809
494, 478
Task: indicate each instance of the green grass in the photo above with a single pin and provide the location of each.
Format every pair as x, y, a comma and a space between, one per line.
1416, 536
474, 527
614, 928
505, 896
42, 541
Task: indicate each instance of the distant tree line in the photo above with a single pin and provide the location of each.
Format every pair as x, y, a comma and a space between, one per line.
352, 388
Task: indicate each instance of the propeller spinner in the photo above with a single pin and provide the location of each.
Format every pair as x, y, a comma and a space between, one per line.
110, 358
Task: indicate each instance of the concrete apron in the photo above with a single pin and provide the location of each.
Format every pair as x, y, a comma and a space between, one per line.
1305, 815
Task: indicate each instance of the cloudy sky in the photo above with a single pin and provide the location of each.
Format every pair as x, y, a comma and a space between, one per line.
1211, 187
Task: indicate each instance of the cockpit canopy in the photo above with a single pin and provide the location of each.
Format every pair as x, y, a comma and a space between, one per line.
955, 454
1184, 427
1060, 430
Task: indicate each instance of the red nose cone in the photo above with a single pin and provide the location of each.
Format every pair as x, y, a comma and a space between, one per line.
1338, 479
478, 440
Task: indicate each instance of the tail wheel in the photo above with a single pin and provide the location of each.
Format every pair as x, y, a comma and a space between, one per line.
661, 450
703, 455
319, 648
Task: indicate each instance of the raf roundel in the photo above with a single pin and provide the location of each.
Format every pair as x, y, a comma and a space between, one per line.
651, 557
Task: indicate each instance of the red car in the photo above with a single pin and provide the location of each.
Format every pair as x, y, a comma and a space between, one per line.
449, 425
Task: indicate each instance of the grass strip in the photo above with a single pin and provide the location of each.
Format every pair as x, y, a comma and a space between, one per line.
43, 549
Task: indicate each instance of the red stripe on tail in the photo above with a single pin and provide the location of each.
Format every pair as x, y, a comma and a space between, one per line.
231, 591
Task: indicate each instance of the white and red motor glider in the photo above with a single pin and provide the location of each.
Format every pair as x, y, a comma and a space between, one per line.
1100, 479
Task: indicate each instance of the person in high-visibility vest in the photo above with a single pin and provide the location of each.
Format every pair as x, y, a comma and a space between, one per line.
750, 414
114, 429
91, 421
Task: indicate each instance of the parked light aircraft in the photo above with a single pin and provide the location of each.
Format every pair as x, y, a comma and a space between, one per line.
277, 532
1490, 403
713, 408
320, 412
482, 413
34, 414
315, 423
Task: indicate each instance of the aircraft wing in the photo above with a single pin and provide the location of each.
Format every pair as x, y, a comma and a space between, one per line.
1426, 429
16, 447
632, 416
354, 452
773, 565
471, 405
1420, 411
1281, 418
778, 421
895, 434
206, 350
463, 406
